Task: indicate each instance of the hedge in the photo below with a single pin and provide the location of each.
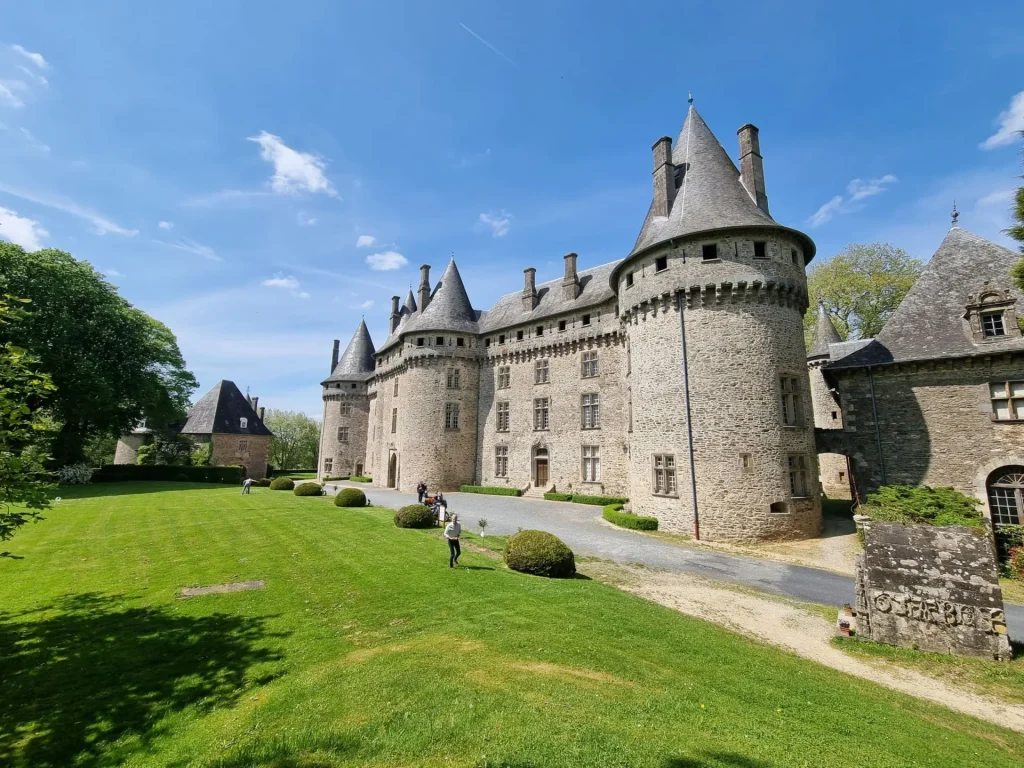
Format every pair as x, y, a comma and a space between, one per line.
284, 472
282, 484
552, 496
350, 497
492, 490
539, 553
414, 516
118, 473
613, 514
329, 478
361, 479
308, 489
601, 501
923, 505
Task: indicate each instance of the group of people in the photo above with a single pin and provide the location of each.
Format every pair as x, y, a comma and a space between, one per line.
452, 528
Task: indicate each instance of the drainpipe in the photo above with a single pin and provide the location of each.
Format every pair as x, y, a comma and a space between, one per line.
681, 304
878, 433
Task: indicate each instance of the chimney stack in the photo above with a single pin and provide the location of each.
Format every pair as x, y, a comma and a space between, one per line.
530, 289
261, 413
395, 315
334, 355
752, 166
571, 282
664, 177
424, 297
255, 400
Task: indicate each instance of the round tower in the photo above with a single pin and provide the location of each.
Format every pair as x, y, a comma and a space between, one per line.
343, 430
721, 435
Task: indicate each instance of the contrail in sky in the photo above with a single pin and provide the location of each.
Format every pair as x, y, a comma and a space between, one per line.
474, 34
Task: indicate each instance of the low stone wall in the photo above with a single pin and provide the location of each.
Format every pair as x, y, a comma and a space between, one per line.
931, 588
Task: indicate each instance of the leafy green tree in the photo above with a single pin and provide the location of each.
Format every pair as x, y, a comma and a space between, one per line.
1016, 231
296, 440
861, 287
24, 488
112, 364
99, 450
166, 448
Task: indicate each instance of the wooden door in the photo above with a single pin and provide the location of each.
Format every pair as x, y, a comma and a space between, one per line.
393, 471
542, 473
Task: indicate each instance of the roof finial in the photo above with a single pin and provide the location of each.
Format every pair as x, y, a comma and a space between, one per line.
955, 215
690, 99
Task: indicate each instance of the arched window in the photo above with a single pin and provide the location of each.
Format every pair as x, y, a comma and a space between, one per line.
1006, 495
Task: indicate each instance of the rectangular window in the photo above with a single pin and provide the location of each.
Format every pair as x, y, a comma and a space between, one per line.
561, 325
460, 342
540, 372
1007, 400
709, 251
745, 463
396, 387
394, 420
792, 415
243, 446
487, 341
664, 474
504, 377
519, 335
453, 378
345, 409
540, 412
798, 485
589, 365
591, 464
992, 325
501, 411
501, 338
591, 414
760, 249
451, 415
586, 319
795, 256
342, 434
661, 264
501, 461
539, 331
328, 466
419, 341
440, 341
1003, 503
629, 279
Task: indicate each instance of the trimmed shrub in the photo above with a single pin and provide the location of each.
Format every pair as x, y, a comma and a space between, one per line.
601, 501
263, 482
552, 496
329, 478
309, 489
74, 474
414, 516
350, 497
118, 473
282, 484
361, 479
1015, 563
539, 553
491, 490
613, 514
922, 506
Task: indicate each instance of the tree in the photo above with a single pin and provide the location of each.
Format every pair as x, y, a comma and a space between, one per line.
167, 448
296, 440
1017, 231
24, 488
112, 364
861, 286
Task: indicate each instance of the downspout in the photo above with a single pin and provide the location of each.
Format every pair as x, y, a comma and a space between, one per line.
320, 445
878, 433
681, 305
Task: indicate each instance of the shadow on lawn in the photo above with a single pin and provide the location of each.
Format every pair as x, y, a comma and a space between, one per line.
78, 680
715, 760
132, 487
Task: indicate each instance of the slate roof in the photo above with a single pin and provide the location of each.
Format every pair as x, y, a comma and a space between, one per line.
929, 323
410, 302
449, 309
825, 333
220, 411
356, 364
711, 195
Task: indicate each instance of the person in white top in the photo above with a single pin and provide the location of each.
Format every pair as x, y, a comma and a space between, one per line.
451, 533
246, 485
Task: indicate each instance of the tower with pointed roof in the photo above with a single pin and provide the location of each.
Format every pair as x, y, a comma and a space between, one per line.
346, 414
833, 468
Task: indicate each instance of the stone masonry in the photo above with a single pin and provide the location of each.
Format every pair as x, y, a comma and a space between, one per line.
250, 451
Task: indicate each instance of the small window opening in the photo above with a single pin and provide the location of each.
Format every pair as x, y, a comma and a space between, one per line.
629, 279
501, 338
586, 319
992, 325
487, 341
745, 463
795, 256
440, 341
420, 341
540, 330
709, 251
835, 415
677, 176
460, 342
661, 264
561, 325
760, 250
842, 477
777, 508
519, 335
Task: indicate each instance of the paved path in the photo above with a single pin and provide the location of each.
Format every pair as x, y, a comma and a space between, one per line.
582, 528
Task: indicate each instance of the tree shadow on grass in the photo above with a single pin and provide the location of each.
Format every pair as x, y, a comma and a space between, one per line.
86, 671
715, 760
133, 487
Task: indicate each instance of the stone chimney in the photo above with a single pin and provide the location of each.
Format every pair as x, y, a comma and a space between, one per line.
752, 166
664, 177
261, 413
424, 297
571, 281
255, 400
395, 315
334, 356
530, 289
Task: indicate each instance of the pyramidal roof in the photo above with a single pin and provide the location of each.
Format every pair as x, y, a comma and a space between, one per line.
449, 308
710, 195
221, 410
356, 364
825, 333
929, 323
410, 302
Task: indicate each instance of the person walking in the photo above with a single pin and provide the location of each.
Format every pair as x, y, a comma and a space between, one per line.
451, 532
245, 486
421, 491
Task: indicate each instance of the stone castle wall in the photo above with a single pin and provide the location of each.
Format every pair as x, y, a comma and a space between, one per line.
833, 471
250, 451
346, 457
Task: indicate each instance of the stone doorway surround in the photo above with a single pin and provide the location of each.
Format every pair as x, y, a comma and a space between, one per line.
982, 476
393, 470
541, 467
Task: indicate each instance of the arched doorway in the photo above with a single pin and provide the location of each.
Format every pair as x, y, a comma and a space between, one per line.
393, 471
359, 469
1005, 488
541, 473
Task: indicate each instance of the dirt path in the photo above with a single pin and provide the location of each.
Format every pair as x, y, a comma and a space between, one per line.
796, 630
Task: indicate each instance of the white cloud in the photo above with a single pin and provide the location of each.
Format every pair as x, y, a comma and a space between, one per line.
365, 241
112, 273
999, 197
305, 220
857, 190
191, 246
302, 295
237, 198
35, 77
386, 260
827, 211
101, 224
498, 222
35, 58
166, 225
293, 171
368, 304
20, 230
1011, 122
280, 281
30, 137
7, 93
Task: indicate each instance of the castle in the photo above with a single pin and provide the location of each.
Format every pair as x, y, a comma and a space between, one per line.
676, 376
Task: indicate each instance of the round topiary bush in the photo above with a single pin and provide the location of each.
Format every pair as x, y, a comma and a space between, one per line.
350, 497
539, 553
282, 484
414, 516
263, 482
308, 489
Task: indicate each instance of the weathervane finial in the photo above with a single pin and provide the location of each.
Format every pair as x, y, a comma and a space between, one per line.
689, 100
955, 215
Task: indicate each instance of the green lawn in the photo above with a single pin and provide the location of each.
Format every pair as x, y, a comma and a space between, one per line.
365, 649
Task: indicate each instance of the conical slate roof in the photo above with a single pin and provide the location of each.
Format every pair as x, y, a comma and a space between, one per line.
825, 333
410, 302
221, 410
356, 364
929, 323
449, 308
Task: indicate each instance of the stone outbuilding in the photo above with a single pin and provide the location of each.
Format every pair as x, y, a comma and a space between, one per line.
229, 422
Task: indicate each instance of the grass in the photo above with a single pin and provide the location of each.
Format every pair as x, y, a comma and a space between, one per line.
364, 649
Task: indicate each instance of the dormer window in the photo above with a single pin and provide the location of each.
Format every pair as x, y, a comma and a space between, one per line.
992, 315
992, 324
243, 423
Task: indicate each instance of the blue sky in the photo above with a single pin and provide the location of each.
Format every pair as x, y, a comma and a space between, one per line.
222, 162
